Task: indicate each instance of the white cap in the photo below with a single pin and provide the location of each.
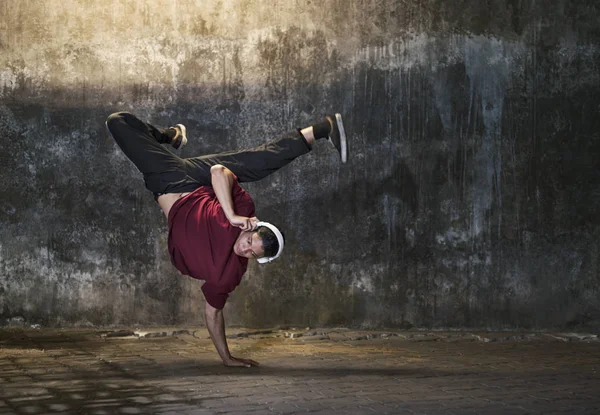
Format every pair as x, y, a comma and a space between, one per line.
279, 236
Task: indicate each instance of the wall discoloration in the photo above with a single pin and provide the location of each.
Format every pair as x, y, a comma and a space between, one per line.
470, 198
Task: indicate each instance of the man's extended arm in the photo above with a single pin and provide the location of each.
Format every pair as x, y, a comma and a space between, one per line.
222, 182
216, 327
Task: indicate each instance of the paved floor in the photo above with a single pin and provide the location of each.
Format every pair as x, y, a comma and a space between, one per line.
317, 371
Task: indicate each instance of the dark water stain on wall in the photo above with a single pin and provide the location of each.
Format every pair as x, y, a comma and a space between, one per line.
470, 198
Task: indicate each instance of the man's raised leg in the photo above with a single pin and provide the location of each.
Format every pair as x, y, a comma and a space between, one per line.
256, 163
141, 142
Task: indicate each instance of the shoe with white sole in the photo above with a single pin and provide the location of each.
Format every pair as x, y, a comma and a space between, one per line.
180, 138
337, 135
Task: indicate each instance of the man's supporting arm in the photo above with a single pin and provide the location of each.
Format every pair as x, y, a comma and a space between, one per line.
222, 182
216, 327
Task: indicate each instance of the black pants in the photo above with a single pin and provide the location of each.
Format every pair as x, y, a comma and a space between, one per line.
164, 172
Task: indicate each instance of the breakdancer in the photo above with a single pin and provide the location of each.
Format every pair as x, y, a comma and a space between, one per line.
213, 230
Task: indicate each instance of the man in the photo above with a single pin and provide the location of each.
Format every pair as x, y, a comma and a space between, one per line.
213, 230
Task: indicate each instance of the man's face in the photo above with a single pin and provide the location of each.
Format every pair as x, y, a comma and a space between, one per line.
248, 245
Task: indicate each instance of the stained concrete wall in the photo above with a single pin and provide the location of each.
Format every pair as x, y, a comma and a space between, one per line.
470, 198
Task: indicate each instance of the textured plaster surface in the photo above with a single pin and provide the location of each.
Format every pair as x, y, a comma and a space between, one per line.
470, 198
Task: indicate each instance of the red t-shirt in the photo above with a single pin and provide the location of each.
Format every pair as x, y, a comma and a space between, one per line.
201, 241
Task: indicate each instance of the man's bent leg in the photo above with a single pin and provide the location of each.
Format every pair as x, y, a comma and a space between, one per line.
163, 171
252, 164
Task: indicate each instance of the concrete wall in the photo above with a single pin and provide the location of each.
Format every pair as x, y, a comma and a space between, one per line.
470, 198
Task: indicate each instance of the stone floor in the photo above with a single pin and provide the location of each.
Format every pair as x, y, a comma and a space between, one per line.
318, 371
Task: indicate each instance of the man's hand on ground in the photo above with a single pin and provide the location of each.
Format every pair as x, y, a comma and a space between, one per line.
244, 223
236, 361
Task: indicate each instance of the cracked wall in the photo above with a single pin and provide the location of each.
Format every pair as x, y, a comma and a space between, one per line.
470, 198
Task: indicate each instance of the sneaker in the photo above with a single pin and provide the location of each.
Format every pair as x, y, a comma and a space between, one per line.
337, 136
180, 138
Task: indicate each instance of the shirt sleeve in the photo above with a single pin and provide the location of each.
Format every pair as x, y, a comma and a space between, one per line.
242, 201
214, 296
